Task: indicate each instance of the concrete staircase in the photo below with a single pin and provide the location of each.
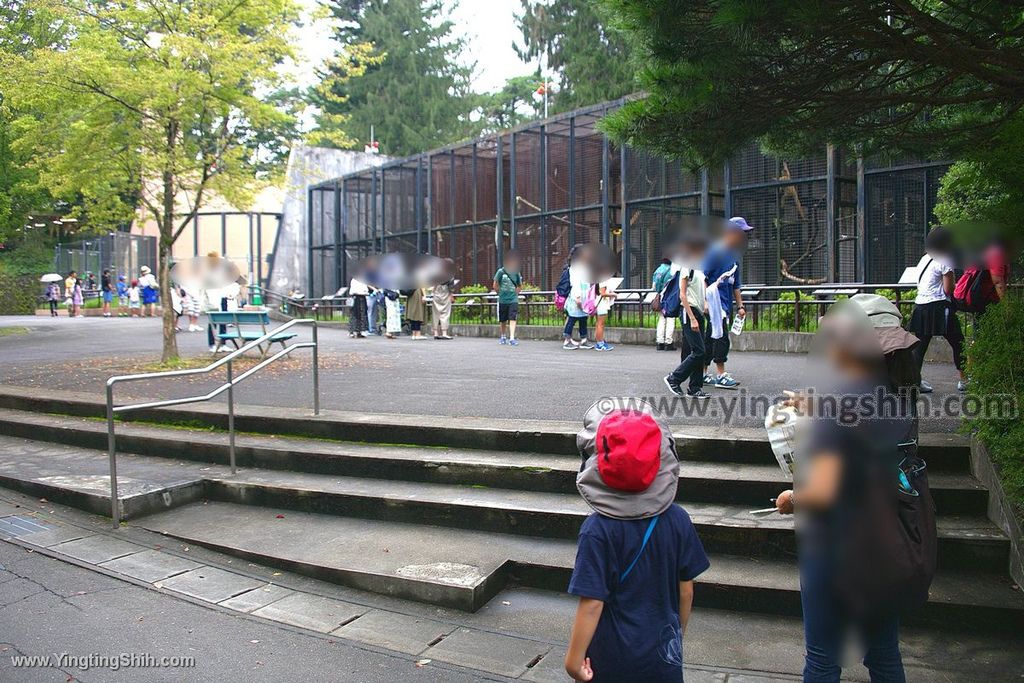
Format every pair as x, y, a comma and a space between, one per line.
462, 508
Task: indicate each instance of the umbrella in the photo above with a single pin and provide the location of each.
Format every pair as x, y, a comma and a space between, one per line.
51, 277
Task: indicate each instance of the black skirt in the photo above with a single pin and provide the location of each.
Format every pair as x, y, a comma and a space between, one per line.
357, 322
935, 319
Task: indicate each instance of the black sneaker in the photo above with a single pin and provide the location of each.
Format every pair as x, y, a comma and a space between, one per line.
661, 347
700, 394
673, 386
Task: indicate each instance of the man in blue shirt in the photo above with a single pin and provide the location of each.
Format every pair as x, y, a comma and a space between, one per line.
722, 264
638, 552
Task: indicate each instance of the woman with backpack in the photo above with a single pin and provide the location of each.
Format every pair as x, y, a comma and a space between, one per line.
934, 314
866, 535
579, 288
664, 336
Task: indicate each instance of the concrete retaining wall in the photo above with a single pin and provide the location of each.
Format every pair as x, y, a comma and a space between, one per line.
1000, 510
775, 342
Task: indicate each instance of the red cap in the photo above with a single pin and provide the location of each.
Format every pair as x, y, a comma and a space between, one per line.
628, 450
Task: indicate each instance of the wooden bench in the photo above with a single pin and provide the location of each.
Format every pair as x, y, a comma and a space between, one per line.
248, 326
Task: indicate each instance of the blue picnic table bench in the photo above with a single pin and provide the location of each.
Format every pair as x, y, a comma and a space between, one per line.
245, 327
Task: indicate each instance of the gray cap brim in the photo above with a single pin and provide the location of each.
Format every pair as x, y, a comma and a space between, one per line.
625, 504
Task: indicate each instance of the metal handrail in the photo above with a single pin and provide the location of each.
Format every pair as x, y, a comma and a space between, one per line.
228, 386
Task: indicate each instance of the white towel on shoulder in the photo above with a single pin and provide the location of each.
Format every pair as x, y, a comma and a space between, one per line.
716, 314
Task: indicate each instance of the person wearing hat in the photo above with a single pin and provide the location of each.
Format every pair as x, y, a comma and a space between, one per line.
638, 552
722, 272
841, 460
150, 291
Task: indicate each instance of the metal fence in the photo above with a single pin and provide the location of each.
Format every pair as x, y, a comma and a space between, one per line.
775, 308
542, 187
121, 252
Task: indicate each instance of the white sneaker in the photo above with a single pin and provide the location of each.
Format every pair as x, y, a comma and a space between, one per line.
569, 345
584, 344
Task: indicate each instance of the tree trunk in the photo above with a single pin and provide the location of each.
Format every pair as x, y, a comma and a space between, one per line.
170, 351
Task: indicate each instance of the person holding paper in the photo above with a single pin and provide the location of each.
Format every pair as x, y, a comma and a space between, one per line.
721, 266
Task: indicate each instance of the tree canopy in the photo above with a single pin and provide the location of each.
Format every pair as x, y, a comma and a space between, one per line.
155, 104
924, 76
413, 87
592, 62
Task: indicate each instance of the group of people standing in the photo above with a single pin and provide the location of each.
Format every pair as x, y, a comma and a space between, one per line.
366, 300
137, 298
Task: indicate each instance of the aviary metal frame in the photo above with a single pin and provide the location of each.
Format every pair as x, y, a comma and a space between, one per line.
546, 185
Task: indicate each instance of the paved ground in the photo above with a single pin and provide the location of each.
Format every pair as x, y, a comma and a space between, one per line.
468, 376
144, 594
48, 607
151, 599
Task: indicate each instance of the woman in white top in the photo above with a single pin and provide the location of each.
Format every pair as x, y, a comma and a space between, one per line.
934, 314
357, 322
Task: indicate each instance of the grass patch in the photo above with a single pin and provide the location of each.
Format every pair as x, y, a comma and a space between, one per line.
13, 331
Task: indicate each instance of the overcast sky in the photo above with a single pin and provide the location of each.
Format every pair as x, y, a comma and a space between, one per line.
487, 25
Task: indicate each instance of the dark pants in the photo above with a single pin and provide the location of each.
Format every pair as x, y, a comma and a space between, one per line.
372, 313
53, 307
415, 325
716, 350
570, 322
692, 366
825, 631
221, 328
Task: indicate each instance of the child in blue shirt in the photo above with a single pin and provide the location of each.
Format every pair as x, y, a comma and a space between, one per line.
638, 552
122, 296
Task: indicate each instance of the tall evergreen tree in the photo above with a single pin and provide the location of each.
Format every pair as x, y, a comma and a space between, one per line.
415, 94
592, 61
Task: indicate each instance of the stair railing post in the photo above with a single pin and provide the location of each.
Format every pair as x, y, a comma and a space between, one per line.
115, 508
316, 371
231, 416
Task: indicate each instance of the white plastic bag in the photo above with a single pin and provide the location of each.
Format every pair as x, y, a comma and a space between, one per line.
781, 425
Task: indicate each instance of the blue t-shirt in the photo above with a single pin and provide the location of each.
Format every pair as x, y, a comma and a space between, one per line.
717, 261
638, 637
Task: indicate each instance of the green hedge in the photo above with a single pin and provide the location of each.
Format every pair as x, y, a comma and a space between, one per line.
18, 294
993, 359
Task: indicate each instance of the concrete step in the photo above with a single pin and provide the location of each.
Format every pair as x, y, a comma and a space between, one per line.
969, 542
78, 477
944, 452
744, 483
466, 568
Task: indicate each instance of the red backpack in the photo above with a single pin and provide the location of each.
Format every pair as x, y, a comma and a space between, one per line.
974, 290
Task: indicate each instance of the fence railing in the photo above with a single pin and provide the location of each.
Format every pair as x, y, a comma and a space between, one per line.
774, 308
228, 386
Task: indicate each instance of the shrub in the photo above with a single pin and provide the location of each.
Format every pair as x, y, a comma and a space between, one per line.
782, 316
471, 313
992, 360
19, 294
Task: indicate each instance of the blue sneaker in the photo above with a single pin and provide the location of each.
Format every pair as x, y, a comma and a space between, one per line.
725, 381
513, 342
503, 340
599, 346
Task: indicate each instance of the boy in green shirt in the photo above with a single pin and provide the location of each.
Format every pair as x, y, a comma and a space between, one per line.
508, 282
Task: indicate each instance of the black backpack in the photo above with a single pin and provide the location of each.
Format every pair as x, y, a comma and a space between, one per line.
564, 286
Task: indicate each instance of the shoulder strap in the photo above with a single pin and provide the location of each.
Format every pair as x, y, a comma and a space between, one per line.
924, 268
647, 537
